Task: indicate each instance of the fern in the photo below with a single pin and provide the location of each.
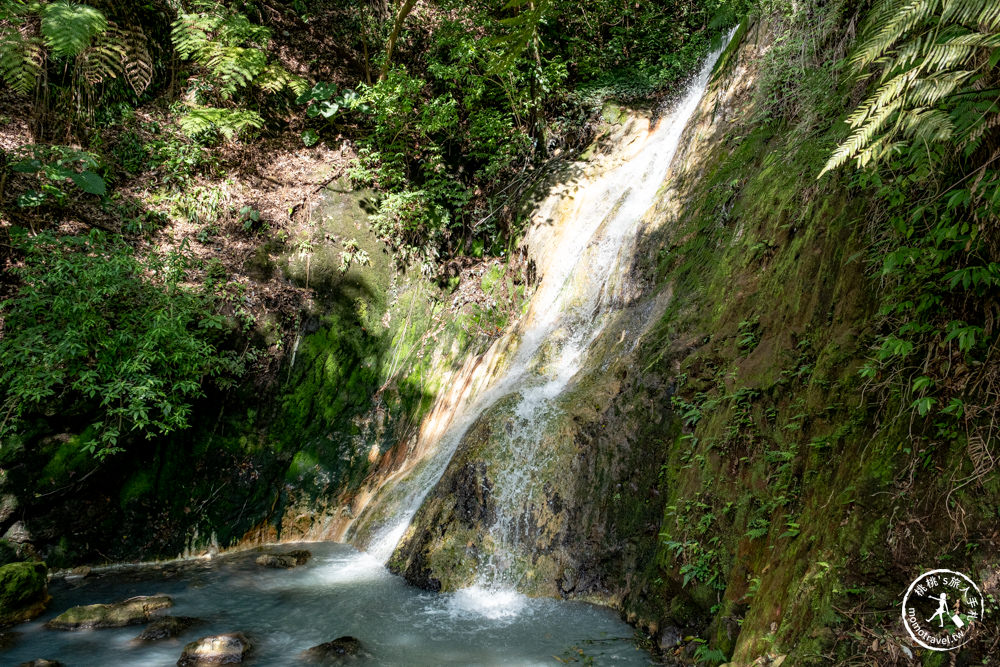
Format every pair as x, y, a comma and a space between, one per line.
79, 39
229, 123
230, 47
937, 82
70, 28
21, 53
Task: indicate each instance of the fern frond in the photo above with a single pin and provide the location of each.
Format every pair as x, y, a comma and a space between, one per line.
21, 58
276, 78
139, 61
229, 123
230, 47
890, 31
936, 57
69, 28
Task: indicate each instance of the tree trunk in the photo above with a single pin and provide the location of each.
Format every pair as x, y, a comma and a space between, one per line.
404, 11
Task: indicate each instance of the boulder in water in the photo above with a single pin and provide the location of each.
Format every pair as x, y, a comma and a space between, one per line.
284, 561
23, 591
115, 615
41, 662
166, 627
339, 651
228, 649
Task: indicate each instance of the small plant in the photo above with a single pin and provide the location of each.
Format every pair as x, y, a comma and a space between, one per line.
249, 217
352, 254
749, 334
57, 167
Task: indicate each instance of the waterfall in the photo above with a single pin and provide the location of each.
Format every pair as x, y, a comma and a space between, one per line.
584, 271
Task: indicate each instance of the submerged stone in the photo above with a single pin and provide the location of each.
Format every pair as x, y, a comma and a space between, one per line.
23, 592
284, 561
340, 650
166, 627
228, 649
41, 662
115, 615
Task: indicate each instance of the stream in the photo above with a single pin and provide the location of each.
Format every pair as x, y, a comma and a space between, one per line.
339, 591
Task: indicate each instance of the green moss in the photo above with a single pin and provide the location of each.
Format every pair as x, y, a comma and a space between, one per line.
136, 487
491, 277
68, 459
613, 113
22, 587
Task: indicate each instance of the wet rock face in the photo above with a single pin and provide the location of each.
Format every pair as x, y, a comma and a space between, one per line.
228, 649
133, 611
166, 628
284, 561
23, 592
471, 488
342, 650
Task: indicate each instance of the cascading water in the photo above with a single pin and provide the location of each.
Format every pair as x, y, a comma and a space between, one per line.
581, 289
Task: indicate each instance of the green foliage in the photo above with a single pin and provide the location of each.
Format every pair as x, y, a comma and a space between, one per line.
96, 332
68, 28
323, 100
231, 49
54, 167
180, 161
438, 144
90, 52
22, 53
938, 84
926, 139
202, 122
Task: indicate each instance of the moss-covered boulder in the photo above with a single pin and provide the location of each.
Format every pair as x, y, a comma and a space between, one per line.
133, 611
23, 591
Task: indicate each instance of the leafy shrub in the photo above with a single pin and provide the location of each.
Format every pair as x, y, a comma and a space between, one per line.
55, 167
101, 334
925, 140
180, 161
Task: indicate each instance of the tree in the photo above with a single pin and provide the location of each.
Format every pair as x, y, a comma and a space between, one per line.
404, 10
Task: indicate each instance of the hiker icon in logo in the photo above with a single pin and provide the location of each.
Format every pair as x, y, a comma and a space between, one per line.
941, 608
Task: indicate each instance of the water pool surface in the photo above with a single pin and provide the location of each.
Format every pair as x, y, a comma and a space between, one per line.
339, 591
